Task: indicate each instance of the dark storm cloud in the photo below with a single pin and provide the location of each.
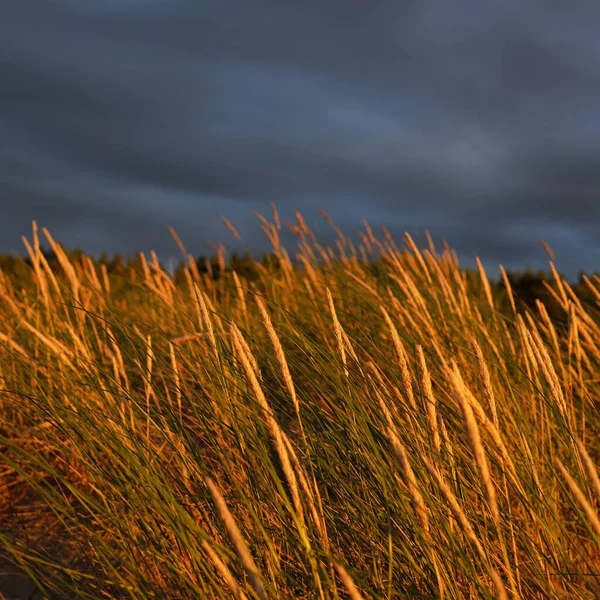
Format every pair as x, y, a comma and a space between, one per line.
476, 120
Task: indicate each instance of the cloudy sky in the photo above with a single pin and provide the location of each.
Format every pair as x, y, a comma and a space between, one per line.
477, 120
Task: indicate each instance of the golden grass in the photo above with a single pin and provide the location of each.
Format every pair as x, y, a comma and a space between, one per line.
237, 540
374, 418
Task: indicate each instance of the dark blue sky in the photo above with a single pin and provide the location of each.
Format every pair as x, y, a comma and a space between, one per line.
478, 120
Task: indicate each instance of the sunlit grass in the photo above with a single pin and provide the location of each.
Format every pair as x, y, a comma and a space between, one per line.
320, 432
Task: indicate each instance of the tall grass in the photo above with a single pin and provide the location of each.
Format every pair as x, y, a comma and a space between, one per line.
325, 431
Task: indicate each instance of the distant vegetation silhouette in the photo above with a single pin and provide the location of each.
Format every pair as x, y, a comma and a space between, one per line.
528, 286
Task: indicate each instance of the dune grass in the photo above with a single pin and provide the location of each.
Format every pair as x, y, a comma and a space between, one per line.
325, 431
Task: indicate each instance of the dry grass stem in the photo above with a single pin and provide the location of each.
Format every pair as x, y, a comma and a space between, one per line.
591, 514
237, 540
402, 358
430, 400
337, 328
224, 571
276, 433
477, 446
458, 512
348, 582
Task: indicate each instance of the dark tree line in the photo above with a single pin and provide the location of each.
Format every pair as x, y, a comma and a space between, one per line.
18, 267
527, 286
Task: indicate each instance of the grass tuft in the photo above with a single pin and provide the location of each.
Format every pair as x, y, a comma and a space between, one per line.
359, 421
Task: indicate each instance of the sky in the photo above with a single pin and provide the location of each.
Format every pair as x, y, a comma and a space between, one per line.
476, 120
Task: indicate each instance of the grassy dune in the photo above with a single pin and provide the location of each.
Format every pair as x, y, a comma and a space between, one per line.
325, 431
